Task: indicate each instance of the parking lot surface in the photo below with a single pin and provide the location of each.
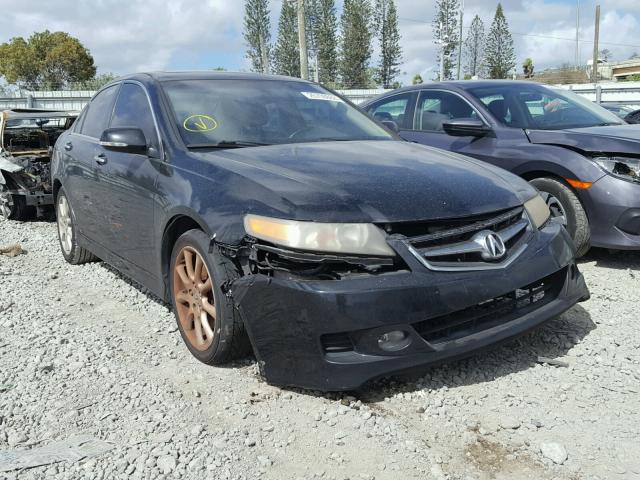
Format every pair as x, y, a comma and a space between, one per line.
84, 351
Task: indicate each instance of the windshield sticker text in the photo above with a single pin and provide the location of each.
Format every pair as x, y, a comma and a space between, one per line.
327, 97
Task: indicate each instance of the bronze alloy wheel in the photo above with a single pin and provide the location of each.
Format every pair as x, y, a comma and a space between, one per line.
194, 298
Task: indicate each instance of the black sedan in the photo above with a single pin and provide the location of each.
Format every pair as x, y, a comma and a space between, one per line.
584, 160
273, 214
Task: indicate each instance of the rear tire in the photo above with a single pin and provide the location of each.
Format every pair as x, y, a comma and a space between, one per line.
208, 321
566, 208
13, 207
71, 251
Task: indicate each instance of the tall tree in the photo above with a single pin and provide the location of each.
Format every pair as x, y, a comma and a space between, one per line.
446, 35
356, 43
325, 27
386, 25
257, 34
474, 46
287, 50
527, 68
499, 54
46, 60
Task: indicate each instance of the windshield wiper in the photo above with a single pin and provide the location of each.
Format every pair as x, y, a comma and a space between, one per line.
228, 144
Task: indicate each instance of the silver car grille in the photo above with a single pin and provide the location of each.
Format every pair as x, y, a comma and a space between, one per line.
489, 243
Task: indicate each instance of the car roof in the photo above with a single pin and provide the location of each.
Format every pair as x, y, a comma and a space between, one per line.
26, 113
207, 75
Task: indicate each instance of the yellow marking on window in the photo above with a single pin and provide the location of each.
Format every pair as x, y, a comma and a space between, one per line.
200, 123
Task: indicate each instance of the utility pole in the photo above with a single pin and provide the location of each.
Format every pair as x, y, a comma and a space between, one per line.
460, 41
442, 41
596, 38
578, 35
302, 39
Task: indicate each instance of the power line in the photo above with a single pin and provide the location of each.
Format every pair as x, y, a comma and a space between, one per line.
533, 35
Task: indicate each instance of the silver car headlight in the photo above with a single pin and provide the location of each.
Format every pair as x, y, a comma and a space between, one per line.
538, 211
346, 238
626, 168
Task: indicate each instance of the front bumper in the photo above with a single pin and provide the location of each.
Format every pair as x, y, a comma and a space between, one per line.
613, 207
324, 334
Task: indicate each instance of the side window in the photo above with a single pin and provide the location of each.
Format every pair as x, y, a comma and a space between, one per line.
133, 110
437, 107
98, 114
499, 108
397, 109
77, 125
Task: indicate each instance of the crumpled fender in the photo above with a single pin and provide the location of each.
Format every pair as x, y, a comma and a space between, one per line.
8, 166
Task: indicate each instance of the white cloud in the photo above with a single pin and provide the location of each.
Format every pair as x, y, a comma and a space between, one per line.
127, 35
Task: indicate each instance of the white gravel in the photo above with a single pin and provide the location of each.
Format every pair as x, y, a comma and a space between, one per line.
83, 351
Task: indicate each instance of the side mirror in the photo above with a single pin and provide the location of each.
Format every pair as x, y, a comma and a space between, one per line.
391, 125
126, 139
466, 127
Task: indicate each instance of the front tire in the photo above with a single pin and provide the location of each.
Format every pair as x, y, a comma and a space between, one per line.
13, 207
567, 209
71, 251
208, 322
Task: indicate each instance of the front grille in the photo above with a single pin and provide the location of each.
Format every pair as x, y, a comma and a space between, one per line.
462, 244
492, 312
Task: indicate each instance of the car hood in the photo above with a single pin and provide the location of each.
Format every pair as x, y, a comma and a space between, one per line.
608, 139
370, 181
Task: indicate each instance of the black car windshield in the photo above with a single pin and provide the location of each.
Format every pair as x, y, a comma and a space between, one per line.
537, 107
241, 113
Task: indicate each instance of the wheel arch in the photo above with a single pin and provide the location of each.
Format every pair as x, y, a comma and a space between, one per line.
174, 228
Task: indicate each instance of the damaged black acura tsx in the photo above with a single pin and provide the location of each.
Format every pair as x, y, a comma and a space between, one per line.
276, 216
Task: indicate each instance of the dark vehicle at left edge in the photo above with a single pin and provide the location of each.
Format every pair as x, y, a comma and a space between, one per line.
269, 210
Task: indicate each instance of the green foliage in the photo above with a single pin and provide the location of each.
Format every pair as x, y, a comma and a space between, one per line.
326, 43
417, 79
474, 46
527, 68
356, 44
386, 28
97, 82
287, 51
46, 60
499, 55
632, 78
446, 35
257, 34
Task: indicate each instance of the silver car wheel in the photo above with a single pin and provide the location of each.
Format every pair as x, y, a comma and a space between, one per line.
6, 202
556, 208
65, 228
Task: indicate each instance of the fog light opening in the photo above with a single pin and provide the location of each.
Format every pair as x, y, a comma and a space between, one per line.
394, 341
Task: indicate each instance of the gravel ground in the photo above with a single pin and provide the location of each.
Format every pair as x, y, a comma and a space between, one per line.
84, 351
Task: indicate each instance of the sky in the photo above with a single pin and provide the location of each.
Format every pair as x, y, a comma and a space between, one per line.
125, 36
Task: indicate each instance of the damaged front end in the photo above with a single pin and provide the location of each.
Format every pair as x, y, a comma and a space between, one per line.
26, 140
333, 322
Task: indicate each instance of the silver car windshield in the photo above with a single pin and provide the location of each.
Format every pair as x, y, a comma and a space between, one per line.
227, 113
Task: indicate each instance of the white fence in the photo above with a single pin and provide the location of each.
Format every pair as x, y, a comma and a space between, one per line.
617, 92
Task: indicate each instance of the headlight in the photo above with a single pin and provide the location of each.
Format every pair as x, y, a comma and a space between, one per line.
353, 238
538, 211
626, 168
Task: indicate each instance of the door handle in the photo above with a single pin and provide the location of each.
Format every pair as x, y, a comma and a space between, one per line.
68, 146
100, 159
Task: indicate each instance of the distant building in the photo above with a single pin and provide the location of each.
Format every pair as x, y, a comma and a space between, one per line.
617, 71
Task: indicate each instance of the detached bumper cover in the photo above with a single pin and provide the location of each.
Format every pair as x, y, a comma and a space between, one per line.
324, 334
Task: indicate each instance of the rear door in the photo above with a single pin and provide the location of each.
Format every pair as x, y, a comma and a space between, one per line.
82, 175
127, 204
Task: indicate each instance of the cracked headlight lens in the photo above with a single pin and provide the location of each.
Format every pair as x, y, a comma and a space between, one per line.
538, 211
626, 168
346, 238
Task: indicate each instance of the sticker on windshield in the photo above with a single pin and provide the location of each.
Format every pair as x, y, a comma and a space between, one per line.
327, 97
200, 123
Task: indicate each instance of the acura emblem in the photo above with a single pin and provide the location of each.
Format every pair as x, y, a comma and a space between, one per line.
493, 247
